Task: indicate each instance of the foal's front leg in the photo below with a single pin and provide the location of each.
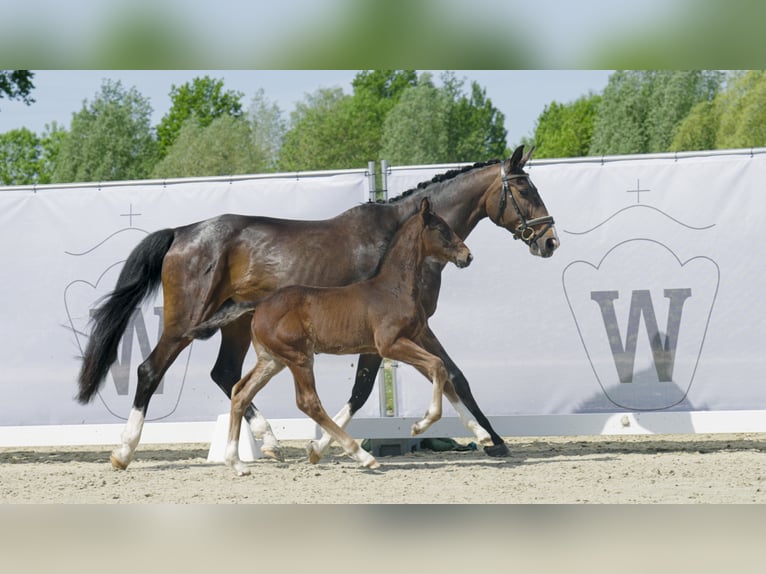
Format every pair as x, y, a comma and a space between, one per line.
409, 352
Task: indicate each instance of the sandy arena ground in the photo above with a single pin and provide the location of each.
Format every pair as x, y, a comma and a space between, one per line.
715, 468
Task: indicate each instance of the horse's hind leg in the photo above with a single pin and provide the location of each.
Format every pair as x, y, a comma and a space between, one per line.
459, 394
150, 373
242, 395
308, 401
366, 373
235, 342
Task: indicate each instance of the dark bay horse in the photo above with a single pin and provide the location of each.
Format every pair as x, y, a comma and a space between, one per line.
383, 315
236, 258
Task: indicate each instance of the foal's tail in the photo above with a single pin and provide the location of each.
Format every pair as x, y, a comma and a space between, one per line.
228, 313
140, 277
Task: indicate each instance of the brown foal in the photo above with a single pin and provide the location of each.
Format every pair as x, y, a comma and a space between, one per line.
382, 315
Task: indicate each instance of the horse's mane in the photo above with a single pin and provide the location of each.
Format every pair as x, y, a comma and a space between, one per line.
442, 177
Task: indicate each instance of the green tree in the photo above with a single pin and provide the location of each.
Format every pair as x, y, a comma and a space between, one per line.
443, 124
475, 128
640, 111
267, 129
28, 159
109, 139
204, 100
20, 153
16, 85
321, 133
416, 130
376, 92
225, 147
743, 112
566, 130
699, 129
736, 118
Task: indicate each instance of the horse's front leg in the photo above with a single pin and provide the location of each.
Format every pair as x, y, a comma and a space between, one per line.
458, 392
366, 374
235, 342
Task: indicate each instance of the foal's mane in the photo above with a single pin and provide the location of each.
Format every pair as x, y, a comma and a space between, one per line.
451, 174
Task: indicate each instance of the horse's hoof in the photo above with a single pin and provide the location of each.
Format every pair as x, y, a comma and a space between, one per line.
314, 456
118, 464
372, 464
497, 450
243, 472
274, 453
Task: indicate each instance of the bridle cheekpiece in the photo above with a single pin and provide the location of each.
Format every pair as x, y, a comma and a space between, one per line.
525, 230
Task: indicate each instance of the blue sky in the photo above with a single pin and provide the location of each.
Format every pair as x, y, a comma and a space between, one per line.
520, 94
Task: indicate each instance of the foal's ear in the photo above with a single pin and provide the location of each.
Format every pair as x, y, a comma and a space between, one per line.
425, 209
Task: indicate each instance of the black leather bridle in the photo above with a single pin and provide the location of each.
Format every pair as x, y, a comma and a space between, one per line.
525, 230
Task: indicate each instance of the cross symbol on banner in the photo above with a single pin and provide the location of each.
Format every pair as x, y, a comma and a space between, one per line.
638, 191
131, 215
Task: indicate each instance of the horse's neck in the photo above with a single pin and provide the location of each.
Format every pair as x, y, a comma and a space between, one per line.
403, 262
460, 201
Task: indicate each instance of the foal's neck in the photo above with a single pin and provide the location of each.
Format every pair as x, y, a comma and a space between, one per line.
402, 264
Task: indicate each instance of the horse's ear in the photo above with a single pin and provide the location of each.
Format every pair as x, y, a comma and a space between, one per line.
526, 157
516, 158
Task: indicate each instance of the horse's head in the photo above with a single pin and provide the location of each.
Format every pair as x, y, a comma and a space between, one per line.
516, 205
440, 240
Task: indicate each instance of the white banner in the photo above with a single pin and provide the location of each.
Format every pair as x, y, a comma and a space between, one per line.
653, 303
63, 249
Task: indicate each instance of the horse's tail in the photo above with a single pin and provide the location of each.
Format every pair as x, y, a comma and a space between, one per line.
140, 277
228, 313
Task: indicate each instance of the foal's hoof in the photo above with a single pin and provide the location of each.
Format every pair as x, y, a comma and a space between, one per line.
117, 463
311, 451
497, 450
274, 453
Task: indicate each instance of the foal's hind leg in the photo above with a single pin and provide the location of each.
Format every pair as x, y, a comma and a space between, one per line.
308, 401
366, 373
235, 342
241, 396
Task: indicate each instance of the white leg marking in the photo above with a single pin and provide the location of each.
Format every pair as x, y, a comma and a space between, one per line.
470, 423
232, 458
261, 430
320, 446
131, 434
434, 412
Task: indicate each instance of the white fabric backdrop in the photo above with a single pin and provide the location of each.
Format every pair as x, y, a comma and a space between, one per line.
532, 339
63, 250
530, 334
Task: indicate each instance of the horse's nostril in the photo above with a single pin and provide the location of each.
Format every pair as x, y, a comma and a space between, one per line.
551, 244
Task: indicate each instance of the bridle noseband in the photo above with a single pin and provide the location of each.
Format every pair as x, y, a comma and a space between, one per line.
525, 229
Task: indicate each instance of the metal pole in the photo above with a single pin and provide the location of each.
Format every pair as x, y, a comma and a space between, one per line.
384, 178
371, 184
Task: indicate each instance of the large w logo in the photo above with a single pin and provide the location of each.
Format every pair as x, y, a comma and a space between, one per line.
642, 314
663, 352
125, 363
